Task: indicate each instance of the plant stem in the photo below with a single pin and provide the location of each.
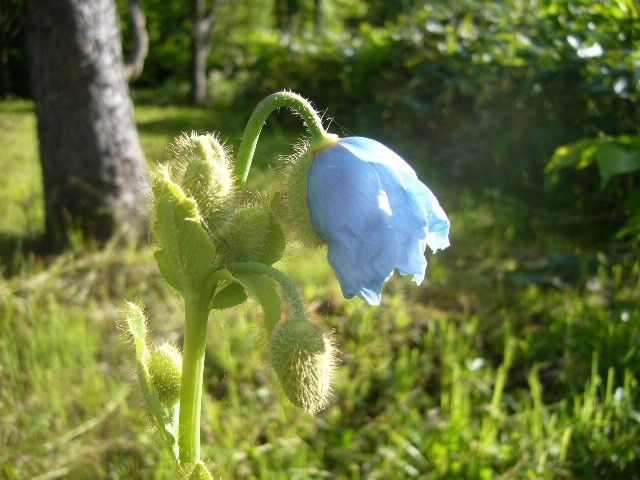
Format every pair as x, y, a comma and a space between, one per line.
195, 339
252, 131
299, 312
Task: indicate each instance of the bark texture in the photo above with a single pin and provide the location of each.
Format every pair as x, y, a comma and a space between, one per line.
93, 169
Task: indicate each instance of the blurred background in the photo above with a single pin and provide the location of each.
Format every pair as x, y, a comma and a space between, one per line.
519, 356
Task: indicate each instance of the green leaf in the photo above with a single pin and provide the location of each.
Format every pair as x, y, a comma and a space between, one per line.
579, 154
186, 252
616, 159
228, 297
265, 291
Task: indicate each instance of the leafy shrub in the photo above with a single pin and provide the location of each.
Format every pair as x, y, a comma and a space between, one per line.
484, 92
618, 162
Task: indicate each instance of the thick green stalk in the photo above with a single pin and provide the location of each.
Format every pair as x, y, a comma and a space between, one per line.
288, 287
319, 137
195, 339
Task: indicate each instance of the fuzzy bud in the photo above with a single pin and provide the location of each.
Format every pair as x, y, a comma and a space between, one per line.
165, 372
291, 203
303, 358
199, 164
253, 234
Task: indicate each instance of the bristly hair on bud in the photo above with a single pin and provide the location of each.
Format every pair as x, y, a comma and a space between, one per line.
165, 372
132, 322
200, 165
291, 198
252, 235
303, 357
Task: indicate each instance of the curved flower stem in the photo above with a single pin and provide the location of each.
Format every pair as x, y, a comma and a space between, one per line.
319, 136
195, 339
298, 310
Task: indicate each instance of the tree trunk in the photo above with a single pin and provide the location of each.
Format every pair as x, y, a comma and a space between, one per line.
134, 64
93, 169
318, 16
199, 54
4, 51
204, 24
200, 49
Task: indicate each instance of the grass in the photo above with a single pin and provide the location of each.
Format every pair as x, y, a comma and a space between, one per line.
519, 358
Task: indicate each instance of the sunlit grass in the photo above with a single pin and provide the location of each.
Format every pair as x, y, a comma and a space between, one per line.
518, 358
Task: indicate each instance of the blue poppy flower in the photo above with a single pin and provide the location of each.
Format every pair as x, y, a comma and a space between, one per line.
375, 215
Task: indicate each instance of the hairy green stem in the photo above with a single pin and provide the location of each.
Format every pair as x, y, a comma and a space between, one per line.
195, 339
319, 136
288, 287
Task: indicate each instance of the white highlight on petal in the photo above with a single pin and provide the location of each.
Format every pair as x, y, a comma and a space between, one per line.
383, 202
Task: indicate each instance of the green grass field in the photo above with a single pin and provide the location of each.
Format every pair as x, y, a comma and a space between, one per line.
518, 359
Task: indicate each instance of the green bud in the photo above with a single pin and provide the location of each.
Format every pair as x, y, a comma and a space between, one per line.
291, 204
253, 235
199, 164
165, 372
303, 358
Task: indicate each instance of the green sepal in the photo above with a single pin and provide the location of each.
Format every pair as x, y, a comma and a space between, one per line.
186, 252
137, 326
228, 297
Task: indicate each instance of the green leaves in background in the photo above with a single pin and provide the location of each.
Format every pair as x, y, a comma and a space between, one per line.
613, 155
186, 252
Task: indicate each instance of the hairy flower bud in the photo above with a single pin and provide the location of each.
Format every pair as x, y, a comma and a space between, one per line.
292, 200
199, 164
303, 358
253, 234
165, 371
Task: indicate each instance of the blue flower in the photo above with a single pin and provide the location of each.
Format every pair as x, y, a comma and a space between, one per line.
375, 215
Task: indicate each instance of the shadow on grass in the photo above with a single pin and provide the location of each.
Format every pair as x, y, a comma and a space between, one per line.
17, 106
16, 250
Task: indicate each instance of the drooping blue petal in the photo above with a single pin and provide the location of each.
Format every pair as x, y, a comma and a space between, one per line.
367, 203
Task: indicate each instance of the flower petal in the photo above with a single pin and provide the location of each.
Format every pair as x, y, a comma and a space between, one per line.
370, 207
355, 221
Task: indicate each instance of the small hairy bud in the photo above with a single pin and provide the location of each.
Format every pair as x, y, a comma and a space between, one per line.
303, 358
292, 201
199, 164
165, 371
253, 234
